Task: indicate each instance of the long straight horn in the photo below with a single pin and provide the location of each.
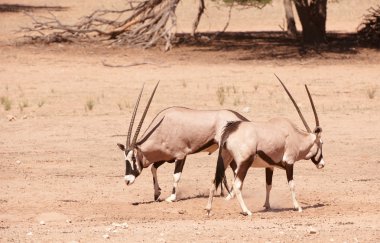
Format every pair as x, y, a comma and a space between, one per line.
312, 105
295, 105
143, 116
133, 119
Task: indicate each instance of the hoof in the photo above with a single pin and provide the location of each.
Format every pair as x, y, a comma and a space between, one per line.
170, 199
248, 213
157, 197
208, 212
300, 210
267, 207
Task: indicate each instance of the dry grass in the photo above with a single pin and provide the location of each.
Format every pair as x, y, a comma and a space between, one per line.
90, 103
6, 102
371, 91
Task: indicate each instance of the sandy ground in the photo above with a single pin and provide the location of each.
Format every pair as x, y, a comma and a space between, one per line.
61, 173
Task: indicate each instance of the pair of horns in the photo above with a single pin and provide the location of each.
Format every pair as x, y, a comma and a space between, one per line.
130, 144
298, 109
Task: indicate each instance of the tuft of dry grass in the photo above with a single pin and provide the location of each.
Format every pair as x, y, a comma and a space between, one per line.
371, 91
90, 103
220, 94
6, 102
23, 104
40, 103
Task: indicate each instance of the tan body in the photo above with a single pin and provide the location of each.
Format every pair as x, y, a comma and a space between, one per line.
175, 133
275, 143
183, 131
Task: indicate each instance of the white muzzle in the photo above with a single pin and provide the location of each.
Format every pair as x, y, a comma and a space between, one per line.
321, 164
129, 179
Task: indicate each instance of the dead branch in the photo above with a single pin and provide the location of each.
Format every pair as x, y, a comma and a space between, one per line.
201, 8
143, 23
369, 29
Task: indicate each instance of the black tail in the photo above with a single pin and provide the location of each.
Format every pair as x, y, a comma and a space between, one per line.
220, 170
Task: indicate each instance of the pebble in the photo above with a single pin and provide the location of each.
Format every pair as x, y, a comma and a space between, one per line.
42, 222
18, 162
106, 236
29, 233
312, 230
68, 221
11, 118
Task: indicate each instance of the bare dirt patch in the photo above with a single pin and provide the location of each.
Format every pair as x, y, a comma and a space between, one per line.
61, 171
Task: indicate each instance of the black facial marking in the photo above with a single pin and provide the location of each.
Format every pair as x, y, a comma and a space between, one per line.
173, 191
317, 160
128, 168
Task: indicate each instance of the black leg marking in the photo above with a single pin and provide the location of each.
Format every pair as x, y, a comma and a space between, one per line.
289, 171
179, 165
158, 164
268, 176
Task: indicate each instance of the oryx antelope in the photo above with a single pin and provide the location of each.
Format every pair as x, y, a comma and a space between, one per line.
277, 143
173, 134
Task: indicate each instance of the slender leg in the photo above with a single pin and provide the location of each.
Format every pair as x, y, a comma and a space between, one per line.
238, 184
231, 193
157, 189
289, 175
225, 158
210, 198
176, 177
268, 178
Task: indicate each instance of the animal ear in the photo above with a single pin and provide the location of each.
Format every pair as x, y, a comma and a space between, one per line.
121, 146
317, 130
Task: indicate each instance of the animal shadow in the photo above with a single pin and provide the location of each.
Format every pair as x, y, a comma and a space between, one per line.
278, 210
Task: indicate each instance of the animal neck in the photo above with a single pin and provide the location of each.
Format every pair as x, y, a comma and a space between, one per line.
305, 143
144, 162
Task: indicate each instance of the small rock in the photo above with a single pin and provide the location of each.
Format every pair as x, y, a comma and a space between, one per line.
11, 118
106, 236
18, 162
25, 117
68, 221
182, 211
29, 233
246, 109
331, 239
42, 222
312, 230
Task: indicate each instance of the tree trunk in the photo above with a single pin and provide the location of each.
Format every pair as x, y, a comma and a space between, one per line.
290, 23
313, 20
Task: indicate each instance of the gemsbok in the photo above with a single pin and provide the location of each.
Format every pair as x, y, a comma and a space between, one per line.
173, 134
277, 143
